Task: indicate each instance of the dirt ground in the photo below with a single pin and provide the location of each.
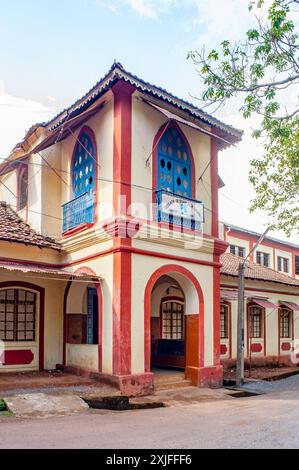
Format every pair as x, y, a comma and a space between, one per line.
55, 381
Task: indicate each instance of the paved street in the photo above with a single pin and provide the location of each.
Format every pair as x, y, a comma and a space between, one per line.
266, 421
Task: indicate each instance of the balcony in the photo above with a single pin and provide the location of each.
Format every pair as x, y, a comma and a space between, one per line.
179, 210
78, 212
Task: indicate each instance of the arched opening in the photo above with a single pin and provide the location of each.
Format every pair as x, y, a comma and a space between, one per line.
174, 321
83, 326
168, 329
22, 188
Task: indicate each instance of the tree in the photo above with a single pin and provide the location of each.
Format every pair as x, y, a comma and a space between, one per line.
260, 70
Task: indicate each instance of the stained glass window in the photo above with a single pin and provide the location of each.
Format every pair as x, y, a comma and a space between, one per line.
174, 164
83, 170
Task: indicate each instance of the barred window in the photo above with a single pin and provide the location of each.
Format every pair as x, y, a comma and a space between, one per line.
17, 315
223, 321
255, 321
285, 318
172, 320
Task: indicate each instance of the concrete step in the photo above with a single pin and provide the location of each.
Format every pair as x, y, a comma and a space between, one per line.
172, 385
174, 377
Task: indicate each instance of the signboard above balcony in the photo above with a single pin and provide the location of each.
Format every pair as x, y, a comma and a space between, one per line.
179, 210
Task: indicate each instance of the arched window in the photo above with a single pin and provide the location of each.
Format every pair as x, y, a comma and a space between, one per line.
285, 322
83, 166
17, 315
22, 188
174, 164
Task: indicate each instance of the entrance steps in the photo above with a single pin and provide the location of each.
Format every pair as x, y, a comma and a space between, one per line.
170, 380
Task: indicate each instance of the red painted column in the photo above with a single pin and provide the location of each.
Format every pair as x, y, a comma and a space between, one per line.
122, 269
217, 248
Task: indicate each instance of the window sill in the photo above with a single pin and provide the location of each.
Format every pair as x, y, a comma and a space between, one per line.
75, 230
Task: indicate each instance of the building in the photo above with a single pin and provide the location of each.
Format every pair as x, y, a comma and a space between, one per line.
132, 279
109, 242
276, 254
271, 314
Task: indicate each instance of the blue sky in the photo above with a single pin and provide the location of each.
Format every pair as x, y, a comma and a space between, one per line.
53, 51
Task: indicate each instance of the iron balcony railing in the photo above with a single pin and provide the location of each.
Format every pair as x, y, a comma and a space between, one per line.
179, 210
78, 211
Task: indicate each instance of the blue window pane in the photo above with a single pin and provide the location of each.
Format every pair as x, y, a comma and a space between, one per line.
174, 164
83, 170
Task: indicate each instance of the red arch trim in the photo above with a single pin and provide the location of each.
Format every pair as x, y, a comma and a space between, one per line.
168, 269
41, 291
166, 126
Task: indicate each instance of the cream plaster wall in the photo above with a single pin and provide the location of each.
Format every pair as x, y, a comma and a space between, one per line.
10, 189
84, 356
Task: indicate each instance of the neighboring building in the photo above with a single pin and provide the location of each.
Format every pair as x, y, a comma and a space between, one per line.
115, 290
271, 313
272, 253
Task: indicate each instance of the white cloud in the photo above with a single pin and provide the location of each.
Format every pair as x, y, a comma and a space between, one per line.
16, 116
151, 9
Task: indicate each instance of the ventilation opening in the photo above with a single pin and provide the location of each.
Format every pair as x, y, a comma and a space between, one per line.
119, 404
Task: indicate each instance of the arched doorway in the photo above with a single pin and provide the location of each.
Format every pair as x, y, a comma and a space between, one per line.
168, 328
173, 296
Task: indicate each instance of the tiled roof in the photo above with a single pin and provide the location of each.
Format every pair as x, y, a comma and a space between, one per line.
116, 73
14, 229
230, 265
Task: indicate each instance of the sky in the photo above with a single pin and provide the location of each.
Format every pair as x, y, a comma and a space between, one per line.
53, 51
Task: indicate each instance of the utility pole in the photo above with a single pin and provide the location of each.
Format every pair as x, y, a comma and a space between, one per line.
241, 328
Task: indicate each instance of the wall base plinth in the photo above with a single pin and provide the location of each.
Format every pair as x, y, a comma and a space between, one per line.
262, 361
205, 376
130, 385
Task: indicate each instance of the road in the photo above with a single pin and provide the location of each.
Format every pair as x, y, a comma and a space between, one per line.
266, 421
